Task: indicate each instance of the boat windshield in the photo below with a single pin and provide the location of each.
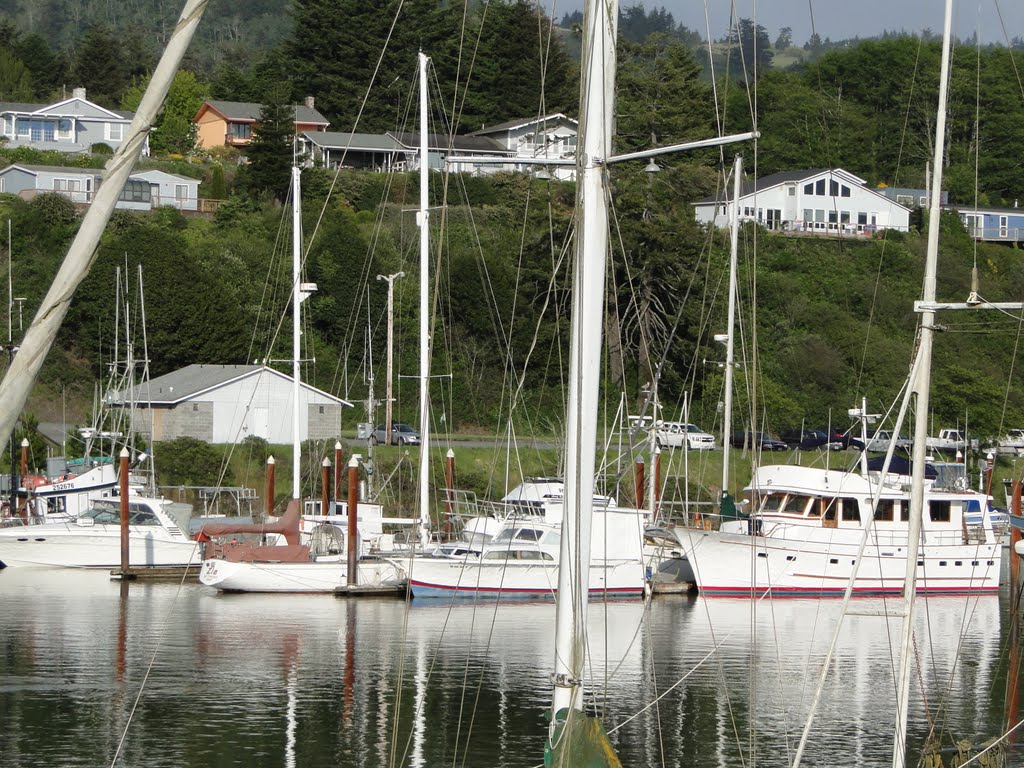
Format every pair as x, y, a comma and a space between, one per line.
109, 513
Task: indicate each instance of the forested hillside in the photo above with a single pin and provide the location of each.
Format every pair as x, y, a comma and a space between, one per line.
833, 318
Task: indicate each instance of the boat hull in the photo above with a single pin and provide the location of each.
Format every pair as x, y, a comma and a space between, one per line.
440, 577
67, 546
317, 576
819, 563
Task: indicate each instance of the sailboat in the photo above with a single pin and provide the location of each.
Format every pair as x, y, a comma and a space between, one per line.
291, 566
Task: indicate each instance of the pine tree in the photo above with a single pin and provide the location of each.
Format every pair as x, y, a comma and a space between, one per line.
270, 154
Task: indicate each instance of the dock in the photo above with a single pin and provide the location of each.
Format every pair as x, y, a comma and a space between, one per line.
370, 590
188, 573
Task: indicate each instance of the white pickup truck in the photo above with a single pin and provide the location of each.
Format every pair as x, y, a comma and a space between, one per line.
950, 440
1012, 442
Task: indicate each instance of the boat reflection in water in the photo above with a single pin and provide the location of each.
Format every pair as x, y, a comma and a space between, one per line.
272, 680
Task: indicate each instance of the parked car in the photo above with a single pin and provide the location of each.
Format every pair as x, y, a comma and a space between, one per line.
805, 439
760, 440
676, 434
401, 434
879, 442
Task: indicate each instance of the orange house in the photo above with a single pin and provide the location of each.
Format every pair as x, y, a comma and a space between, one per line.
231, 123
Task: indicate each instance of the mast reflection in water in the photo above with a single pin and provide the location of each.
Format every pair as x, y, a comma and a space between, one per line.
311, 680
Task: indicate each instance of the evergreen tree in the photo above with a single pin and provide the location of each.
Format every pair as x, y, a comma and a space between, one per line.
174, 130
15, 80
751, 55
270, 154
100, 68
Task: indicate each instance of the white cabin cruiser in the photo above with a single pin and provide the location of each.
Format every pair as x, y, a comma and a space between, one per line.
157, 536
809, 523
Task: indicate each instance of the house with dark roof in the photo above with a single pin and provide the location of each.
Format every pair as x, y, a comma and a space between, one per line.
70, 125
822, 201
227, 403
550, 137
232, 123
399, 151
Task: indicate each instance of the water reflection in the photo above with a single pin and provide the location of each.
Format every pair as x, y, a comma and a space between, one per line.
285, 680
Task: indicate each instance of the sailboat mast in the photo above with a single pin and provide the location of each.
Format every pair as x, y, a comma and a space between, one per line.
296, 330
596, 112
423, 219
921, 386
729, 340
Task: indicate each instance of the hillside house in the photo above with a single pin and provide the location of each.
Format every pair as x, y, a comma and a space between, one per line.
71, 125
232, 123
823, 201
551, 137
993, 225
144, 190
397, 151
227, 403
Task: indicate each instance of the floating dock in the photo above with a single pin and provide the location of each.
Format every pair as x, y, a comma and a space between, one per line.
370, 590
188, 573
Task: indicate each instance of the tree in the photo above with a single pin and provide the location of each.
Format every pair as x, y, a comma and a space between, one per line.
99, 66
174, 130
15, 80
785, 39
751, 55
270, 154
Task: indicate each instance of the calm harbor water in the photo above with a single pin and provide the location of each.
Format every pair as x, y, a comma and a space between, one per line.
187, 677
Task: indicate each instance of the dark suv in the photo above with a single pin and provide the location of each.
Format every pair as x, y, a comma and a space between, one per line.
805, 439
761, 440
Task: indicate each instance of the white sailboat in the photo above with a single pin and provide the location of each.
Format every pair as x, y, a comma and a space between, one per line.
291, 566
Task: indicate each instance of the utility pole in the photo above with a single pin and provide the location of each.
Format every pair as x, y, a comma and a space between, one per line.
390, 279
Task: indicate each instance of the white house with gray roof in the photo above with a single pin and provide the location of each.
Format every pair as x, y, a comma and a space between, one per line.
551, 137
227, 403
71, 125
397, 151
144, 190
823, 201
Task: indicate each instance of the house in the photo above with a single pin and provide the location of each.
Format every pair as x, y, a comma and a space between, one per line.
994, 225
548, 137
398, 151
171, 189
368, 151
231, 123
71, 125
911, 197
227, 403
143, 191
823, 201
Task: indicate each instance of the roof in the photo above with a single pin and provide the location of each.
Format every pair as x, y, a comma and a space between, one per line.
361, 141
437, 141
37, 169
144, 173
192, 380
522, 122
749, 187
17, 106
249, 112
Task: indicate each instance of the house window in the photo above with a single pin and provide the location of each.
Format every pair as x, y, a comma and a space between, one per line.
195, 407
241, 131
907, 200
808, 214
23, 128
845, 191
136, 191
180, 192
49, 130
862, 218
819, 187
1004, 223
923, 200
809, 189
37, 131
320, 409
833, 188
844, 217
791, 190
64, 129
833, 217
819, 215
115, 132
3, 185
975, 225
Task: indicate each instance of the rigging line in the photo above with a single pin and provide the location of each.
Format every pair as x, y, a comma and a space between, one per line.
976, 758
1009, 374
271, 262
1009, 46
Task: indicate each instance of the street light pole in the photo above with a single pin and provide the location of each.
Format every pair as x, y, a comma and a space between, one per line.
391, 350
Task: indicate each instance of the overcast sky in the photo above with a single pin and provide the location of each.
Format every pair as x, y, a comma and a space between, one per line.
841, 19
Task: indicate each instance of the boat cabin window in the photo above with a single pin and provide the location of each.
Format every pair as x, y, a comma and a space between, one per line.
110, 514
517, 554
851, 509
503, 535
57, 505
795, 504
940, 510
886, 510
529, 534
772, 503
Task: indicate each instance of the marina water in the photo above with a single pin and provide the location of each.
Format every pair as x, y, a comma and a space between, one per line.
189, 677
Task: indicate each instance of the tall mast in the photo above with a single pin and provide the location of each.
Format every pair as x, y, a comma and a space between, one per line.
920, 386
423, 219
729, 341
596, 112
296, 329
